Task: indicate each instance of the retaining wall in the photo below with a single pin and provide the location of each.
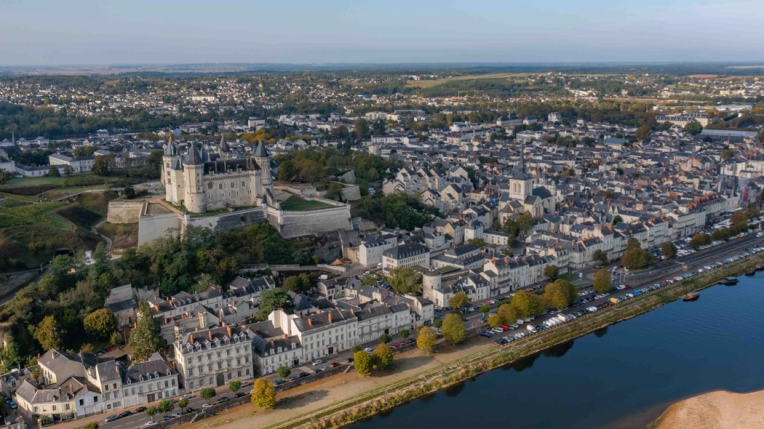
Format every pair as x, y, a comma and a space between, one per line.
124, 211
226, 221
293, 224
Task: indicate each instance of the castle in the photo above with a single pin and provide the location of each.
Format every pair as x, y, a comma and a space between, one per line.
202, 181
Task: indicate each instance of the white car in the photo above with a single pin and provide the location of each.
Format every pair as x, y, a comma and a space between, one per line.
150, 423
368, 350
317, 362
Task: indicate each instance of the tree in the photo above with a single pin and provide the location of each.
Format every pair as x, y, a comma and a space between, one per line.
146, 338
361, 128
385, 338
234, 385
739, 217
404, 333
426, 339
49, 334
182, 404
508, 314
453, 329
405, 280
283, 371
752, 212
165, 406
699, 240
559, 294
727, 153
100, 323
668, 250
383, 356
635, 257
129, 192
459, 300
286, 170
53, 171
272, 300
643, 132
616, 219
494, 320
485, 308
92, 425
292, 284
103, 165
363, 362
356, 348
551, 272
263, 393
601, 256
151, 412
693, 128
68, 170
207, 393
527, 304
602, 281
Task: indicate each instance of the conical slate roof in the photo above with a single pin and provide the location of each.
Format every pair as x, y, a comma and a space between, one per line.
260, 152
192, 157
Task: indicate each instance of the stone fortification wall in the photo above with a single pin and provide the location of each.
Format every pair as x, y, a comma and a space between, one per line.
226, 221
310, 222
124, 211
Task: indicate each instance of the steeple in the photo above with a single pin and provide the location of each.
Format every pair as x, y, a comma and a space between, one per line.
521, 165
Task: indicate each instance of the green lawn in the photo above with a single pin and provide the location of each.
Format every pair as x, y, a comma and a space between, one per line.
34, 214
297, 204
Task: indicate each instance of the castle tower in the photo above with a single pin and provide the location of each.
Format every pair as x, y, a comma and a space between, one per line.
262, 157
223, 148
170, 153
195, 199
431, 281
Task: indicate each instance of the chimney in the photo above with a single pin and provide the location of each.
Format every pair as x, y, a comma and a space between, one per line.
222, 323
506, 259
191, 338
209, 335
230, 331
330, 317
196, 329
310, 321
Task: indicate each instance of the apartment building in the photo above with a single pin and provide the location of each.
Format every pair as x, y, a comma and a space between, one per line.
214, 357
405, 255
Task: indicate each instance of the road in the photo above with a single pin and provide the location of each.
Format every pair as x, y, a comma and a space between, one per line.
140, 419
645, 278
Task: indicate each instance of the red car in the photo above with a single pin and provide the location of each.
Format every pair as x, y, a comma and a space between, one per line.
334, 365
627, 286
397, 345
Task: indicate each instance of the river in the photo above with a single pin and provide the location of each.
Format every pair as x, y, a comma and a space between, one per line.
622, 376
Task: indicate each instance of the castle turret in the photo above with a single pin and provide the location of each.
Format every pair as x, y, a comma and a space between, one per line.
193, 168
431, 281
262, 157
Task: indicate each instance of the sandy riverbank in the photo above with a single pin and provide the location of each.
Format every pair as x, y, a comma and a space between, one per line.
715, 410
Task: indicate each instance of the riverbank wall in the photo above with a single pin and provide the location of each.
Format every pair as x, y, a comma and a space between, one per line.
380, 400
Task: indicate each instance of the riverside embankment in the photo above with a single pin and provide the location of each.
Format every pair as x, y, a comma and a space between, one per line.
382, 399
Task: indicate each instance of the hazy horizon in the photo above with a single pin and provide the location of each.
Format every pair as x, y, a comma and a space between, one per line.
85, 32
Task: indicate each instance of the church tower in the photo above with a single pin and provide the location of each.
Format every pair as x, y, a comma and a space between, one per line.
520, 184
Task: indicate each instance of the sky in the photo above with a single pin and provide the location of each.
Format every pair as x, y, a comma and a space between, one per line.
101, 32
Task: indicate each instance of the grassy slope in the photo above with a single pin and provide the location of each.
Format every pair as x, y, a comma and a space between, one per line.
30, 233
435, 82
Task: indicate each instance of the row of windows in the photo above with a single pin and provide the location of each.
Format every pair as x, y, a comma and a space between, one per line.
211, 380
221, 185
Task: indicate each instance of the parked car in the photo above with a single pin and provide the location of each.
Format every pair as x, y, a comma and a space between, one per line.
140, 410
334, 365
125, 414
112, 418
223, 399
317, 362
150, 423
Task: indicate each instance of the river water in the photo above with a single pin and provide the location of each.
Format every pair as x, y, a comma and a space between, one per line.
622, 376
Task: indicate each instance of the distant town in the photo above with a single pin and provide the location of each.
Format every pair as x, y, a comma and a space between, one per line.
165, 240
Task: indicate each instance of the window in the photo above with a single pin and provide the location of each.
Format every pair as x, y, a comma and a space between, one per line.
54, 408
67, 407
95, 399
191, 385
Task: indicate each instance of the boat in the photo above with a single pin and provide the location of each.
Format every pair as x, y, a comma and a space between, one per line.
729, 281
692, 296
759, 267
750, 272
